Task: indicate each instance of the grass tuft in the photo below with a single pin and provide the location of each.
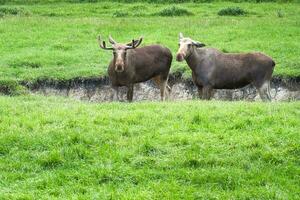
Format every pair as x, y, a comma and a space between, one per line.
280, 13
174, 11
13, 11
232, 11
12, 88
51, 160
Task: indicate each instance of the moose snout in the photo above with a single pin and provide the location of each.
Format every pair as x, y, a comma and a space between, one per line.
180, 56
119, 67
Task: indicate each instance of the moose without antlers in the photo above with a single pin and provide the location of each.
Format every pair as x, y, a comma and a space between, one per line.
212, 69
132, 65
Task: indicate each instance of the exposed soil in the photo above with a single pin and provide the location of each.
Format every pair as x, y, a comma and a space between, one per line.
99, 90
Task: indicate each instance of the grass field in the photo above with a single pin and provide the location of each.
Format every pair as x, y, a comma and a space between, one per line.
58, 148
58, 41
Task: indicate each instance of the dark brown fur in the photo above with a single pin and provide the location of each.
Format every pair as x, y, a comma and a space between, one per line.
142, 64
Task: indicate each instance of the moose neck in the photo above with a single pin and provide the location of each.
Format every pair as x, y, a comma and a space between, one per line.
193, 59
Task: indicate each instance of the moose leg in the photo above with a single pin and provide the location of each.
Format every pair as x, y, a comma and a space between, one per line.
115, 94
200, 92
130, 92
207, 92
269, 92
264, 91
163, 91
162, 84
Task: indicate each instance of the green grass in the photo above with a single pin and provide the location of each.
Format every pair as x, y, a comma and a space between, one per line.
232, 11
135, 1
55, 148
58, 41
174, 12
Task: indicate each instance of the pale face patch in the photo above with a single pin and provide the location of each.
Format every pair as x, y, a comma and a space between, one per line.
119, 53
186, 46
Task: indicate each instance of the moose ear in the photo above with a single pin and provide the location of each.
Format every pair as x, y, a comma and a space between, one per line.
198, 44
180, 36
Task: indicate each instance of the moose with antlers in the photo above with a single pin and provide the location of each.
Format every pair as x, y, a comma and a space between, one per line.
131, 65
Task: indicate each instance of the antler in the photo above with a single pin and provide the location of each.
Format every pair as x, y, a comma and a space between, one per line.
111, 40
139, 42
103, 45
135, 43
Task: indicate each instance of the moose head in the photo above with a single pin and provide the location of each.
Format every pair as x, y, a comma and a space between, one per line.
186, 46
119, 51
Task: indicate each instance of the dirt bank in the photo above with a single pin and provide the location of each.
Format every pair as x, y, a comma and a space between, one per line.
99, 90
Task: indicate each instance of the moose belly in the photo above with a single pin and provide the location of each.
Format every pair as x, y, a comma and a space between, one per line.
124, 79
231, 84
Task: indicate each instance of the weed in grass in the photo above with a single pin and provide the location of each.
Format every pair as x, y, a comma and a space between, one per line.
232, 11
174, 11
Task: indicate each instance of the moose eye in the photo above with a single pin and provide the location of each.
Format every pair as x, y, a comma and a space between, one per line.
189, 45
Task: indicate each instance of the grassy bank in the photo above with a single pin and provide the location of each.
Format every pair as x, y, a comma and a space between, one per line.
58, 41
57, 148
